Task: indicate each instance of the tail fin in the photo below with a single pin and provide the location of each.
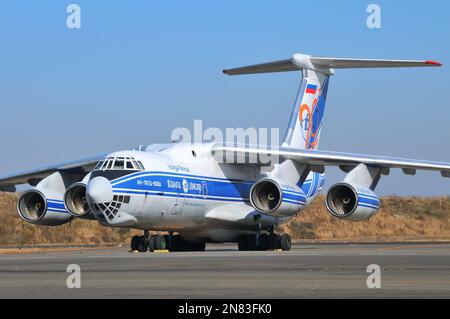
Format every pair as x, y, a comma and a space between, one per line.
306, 120
307, 116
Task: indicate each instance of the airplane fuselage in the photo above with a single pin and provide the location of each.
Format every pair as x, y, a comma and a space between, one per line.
183, 189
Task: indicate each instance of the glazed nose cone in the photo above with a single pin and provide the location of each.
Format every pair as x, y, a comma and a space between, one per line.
99, 190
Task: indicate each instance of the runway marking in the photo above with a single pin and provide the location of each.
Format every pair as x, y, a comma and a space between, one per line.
27, 258
412, 247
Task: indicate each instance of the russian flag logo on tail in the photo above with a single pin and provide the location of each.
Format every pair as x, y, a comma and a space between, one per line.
311, 89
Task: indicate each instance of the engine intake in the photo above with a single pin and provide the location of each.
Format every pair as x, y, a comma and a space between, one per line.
266, 196
75, 200
273, 197
348, 202
33, 207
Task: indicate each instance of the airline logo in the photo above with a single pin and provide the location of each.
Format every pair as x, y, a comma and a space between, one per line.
311, 114
311, 89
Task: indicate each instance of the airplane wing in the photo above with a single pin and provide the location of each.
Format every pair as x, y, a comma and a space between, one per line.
318, 160
32, 177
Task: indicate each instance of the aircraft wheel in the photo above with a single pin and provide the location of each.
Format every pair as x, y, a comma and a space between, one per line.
160, 243
143, 245
152, 244
273, 242
242, 243
169, 242
251, 239
263, 242
142, 248
135, 241
200, 246
285, 242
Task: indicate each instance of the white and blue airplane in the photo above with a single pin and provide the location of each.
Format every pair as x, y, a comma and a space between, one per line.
190, 192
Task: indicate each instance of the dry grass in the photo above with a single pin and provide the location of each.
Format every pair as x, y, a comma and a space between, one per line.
399, 217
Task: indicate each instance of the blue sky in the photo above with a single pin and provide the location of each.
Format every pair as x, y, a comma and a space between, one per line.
137, 70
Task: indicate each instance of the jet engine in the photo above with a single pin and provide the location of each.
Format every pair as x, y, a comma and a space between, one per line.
44, 205
75, 200
275, 198
346, 201
35, 208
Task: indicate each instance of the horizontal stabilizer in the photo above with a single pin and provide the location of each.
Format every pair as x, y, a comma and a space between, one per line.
277, 66
326, 65
344, 63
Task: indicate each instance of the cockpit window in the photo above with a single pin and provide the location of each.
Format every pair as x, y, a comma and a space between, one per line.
119, 163
105, 164
99, 165
140, 166
109, 164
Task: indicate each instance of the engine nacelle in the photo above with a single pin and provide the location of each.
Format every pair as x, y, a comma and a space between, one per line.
272, 197
44, 205
35, 208
75, 200
346, 201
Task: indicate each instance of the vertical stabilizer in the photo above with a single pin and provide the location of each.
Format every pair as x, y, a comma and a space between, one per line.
305, 124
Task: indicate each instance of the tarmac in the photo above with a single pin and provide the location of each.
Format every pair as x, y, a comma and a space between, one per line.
407, 270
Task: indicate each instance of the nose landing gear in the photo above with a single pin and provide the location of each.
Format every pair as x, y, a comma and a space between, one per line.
140, 243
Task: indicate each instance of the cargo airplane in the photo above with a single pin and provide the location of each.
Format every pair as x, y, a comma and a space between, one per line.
183, 195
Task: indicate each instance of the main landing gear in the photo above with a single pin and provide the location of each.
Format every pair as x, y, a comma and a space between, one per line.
264, 242
173, 243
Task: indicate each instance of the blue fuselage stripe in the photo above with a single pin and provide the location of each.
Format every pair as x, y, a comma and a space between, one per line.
194, 186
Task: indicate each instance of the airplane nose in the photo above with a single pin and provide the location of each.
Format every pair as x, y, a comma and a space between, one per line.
99, 190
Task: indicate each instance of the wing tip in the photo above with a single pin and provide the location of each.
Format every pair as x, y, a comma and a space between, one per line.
433, 63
